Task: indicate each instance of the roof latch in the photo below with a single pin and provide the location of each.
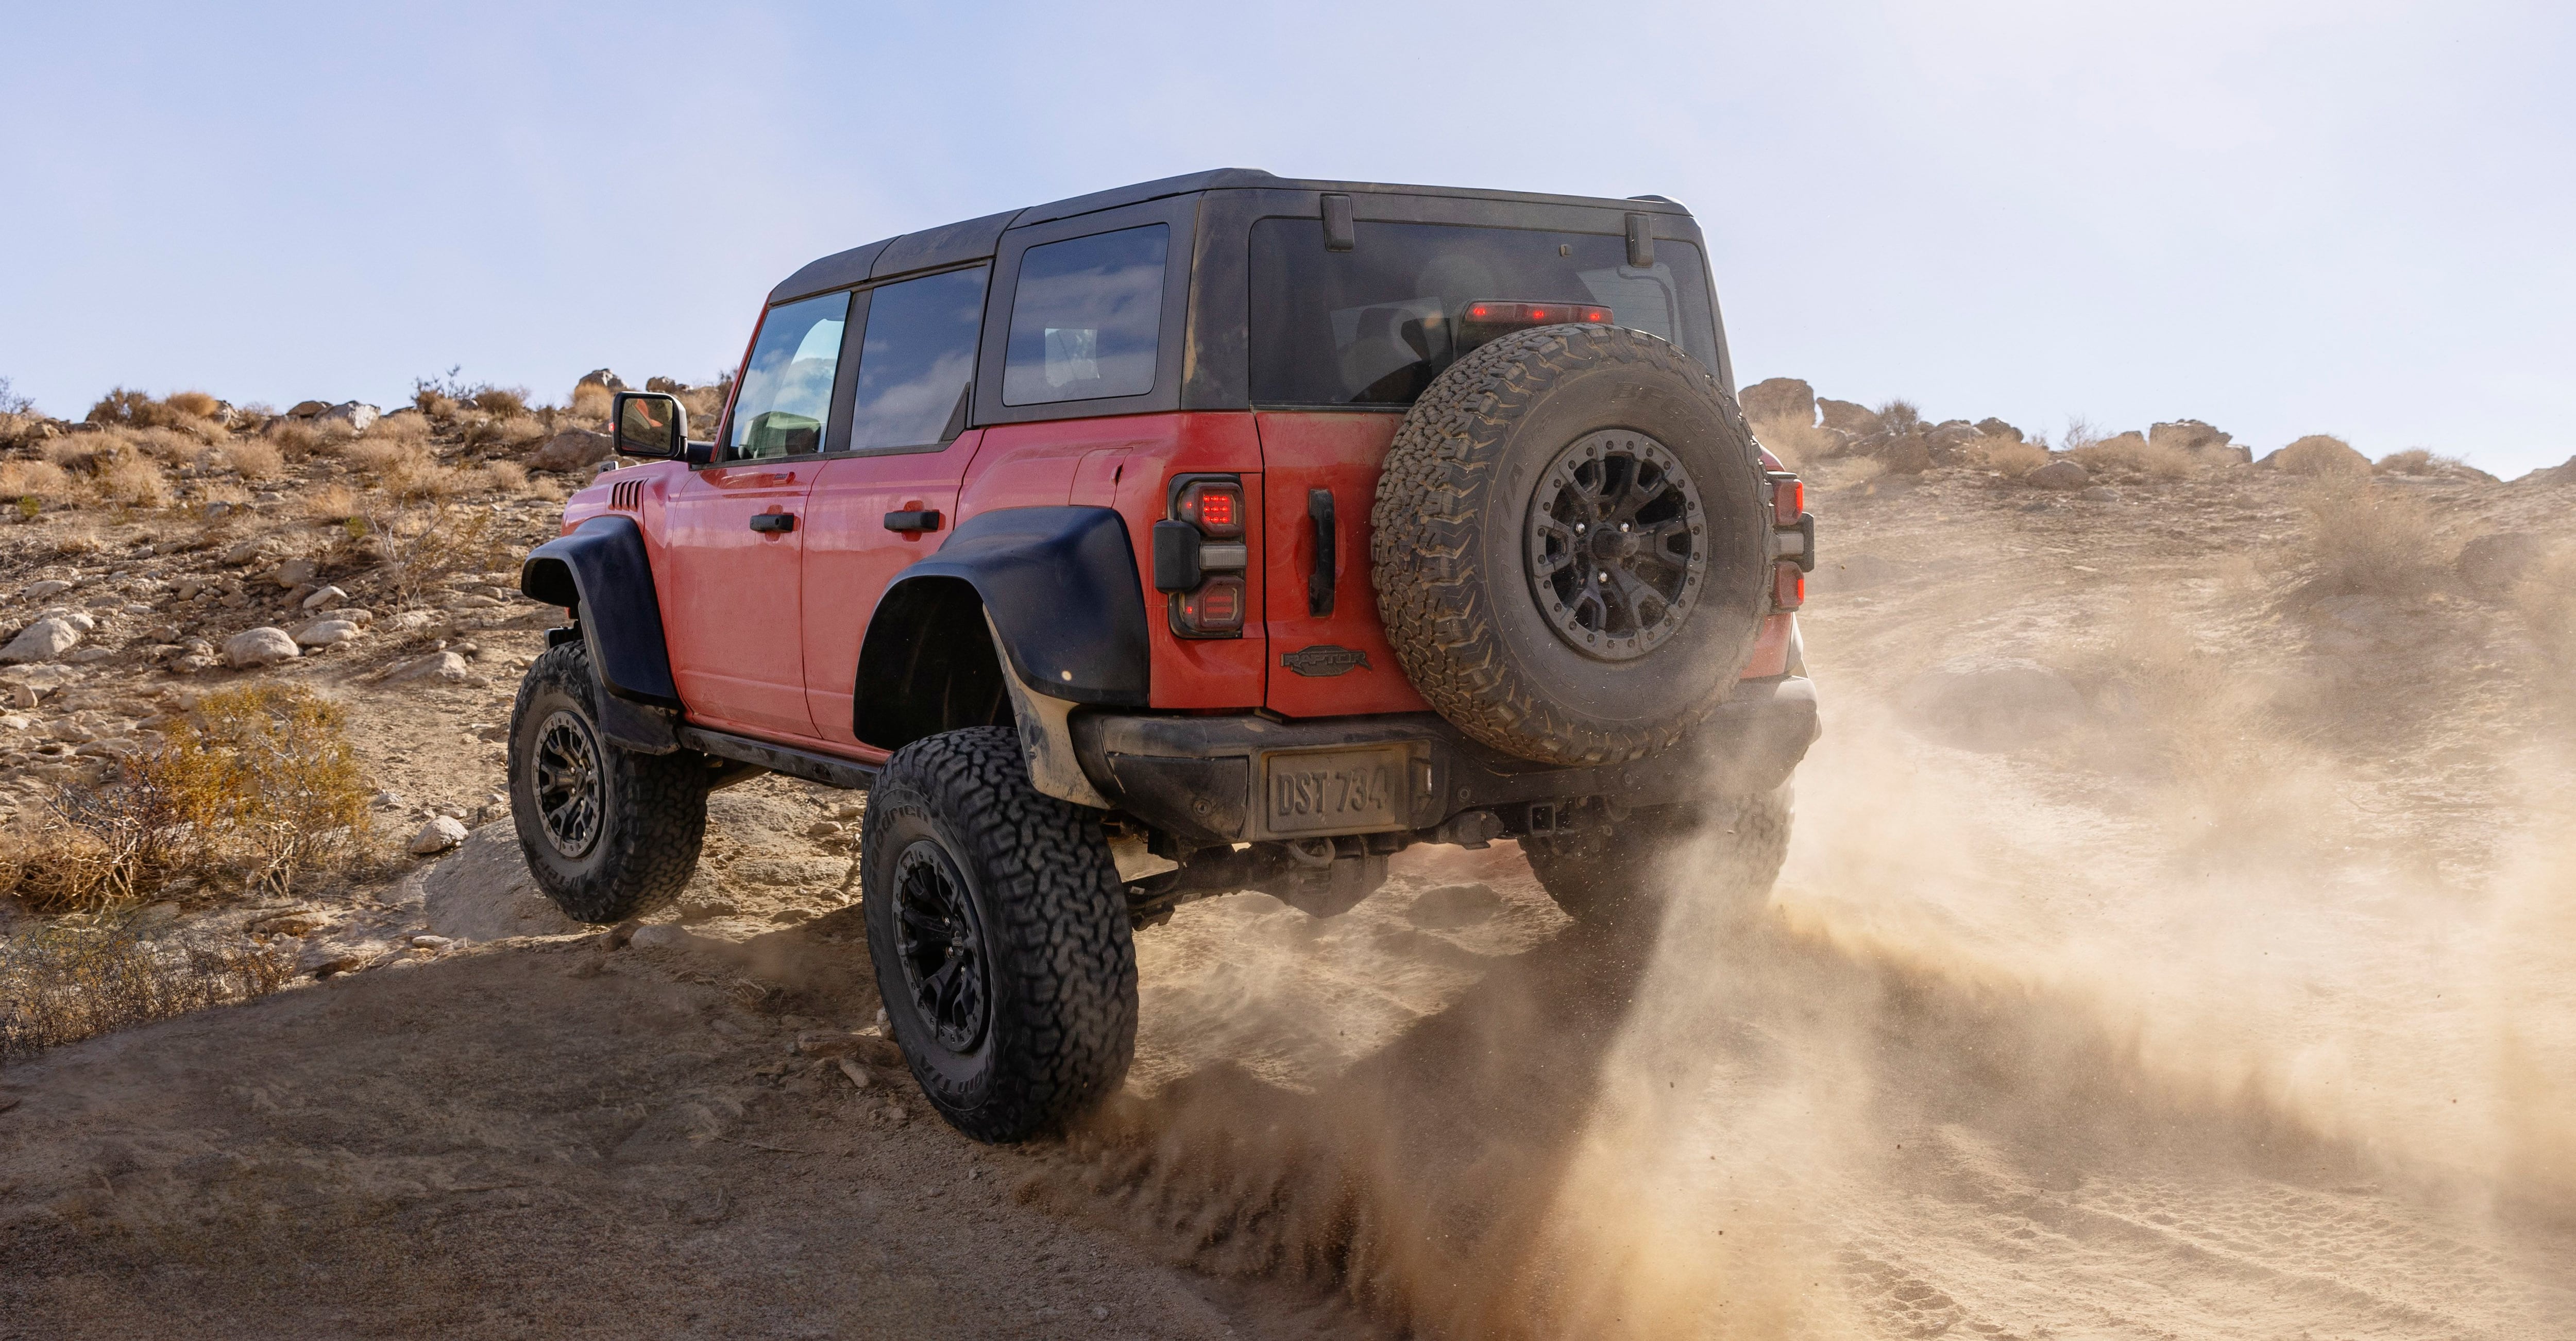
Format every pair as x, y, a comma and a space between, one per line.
1641, 242
1341, 234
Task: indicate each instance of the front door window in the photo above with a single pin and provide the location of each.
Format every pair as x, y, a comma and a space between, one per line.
786, 399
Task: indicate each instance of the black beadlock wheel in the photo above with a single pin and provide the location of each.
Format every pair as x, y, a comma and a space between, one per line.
1619, 875
609, 833
999, 930
1570, 549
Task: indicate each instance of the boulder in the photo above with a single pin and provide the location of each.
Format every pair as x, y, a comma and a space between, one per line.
327, 596
308, 409
262, 646
2197, 438
1992, 707
1996, 428
1779, 398
2060, 476
438, 835
37, 591
2490, 565
572, 449
437, 666
602, 377
294, 573
358, 415
43, 640
1848, 416
326, 633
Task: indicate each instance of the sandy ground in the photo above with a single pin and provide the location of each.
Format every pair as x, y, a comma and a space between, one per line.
2163, 952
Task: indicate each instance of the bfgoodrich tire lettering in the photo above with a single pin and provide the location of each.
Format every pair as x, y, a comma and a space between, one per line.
1461, 575
609, 834
999, 931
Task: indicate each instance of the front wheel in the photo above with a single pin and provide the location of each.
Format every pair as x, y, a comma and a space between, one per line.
999, 931
1618, 874
609, 833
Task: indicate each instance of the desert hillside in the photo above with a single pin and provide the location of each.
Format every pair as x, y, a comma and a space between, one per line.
2178, 939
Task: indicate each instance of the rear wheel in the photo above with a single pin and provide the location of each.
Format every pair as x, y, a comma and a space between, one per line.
999, 931
1618, 875
609, 833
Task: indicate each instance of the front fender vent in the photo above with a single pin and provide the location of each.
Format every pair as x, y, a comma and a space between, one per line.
626, 496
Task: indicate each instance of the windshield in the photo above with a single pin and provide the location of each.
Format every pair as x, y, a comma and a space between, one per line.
1373, 325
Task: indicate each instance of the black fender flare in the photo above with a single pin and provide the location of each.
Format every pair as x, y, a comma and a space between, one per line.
601, 571
1063, 591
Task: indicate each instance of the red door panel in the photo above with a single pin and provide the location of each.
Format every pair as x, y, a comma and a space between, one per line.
731, 595
851, 558
1338, 663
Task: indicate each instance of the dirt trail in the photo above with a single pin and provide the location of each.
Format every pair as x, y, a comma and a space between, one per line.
2122, 983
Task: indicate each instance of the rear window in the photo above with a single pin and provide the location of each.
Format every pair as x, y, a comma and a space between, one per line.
1087, 317
1373, 325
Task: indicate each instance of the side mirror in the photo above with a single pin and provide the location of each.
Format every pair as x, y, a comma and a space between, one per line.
649, 423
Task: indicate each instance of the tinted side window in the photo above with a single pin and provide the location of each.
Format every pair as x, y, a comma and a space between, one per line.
1373, 325
786, 397
1086, 320
917, 361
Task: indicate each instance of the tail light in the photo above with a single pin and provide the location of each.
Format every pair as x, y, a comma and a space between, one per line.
1200, 557
1793, 541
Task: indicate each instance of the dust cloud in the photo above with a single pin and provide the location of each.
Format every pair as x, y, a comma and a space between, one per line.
2153, 957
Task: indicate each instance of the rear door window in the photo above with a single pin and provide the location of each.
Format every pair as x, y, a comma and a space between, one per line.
1373, 325
786, 397
917, 362
1086, 319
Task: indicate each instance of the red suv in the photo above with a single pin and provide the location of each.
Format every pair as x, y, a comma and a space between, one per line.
1213, 534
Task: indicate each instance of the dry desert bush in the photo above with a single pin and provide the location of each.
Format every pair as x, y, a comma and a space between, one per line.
64, 982
2320, 454
2417, 461
406, 469
511, 433
2371, 540
2132, 453
419, 545
1796, 444
591, 402
42, 481
504, 401
2008, 456
253, 458
294, 437
257, 784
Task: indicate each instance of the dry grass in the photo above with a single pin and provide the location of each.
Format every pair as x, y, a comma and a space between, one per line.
2008, 456
705, 403
507, 477
591, 402
187, 412
330, 503
257, 783
132, 480
65, 982
253, 458
2133, 454
2416, 461
196, 404
43, 481
401, 428
2321, 455
510, 434
419, 546
406, 469
296, 438
2368, 540
505, 401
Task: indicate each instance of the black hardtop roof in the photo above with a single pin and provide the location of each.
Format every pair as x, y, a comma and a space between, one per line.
974, 238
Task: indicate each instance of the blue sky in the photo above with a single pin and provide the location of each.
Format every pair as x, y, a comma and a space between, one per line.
2283, 218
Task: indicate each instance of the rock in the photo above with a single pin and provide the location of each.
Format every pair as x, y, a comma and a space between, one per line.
356, 414
1996, 428
387, 800
2490, 565
331, 959
663, 936
441, 666
430, 942
1779, 398
294, 573
51, 587
408, 620
822, 829
307, 409
43, 640
602, 377
571, 449
1848, 417
1992, 707
88, 656
299, 923
858, 1074
2097, 494
327, 633
2197, 438
263, 646
2061, 476
1902, 454
437, 836
483, 892
330, 596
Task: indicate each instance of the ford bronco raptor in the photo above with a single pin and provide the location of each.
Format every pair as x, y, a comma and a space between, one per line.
1219, 533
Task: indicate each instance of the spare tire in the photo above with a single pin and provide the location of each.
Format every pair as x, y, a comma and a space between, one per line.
1570, 548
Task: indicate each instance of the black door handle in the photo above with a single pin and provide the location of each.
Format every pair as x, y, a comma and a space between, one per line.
1319, 579
773, 522
920, 519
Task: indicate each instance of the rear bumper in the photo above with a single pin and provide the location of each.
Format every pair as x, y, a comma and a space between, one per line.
1234, 779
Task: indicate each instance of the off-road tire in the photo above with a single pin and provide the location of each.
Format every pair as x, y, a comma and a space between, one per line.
1450, 549
652, 809
1618, 876
1058, 953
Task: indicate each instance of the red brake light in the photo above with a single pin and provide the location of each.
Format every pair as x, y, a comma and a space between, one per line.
1598, 316
1788, 587
1788, 499
1213, 610
1215, 507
